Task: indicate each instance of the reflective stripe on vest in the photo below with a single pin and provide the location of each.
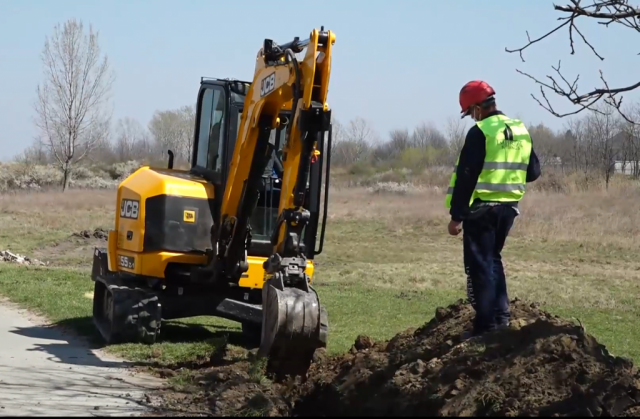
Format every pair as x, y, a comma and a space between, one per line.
504, 173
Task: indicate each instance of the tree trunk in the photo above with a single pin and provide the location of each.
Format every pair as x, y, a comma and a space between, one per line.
66, 176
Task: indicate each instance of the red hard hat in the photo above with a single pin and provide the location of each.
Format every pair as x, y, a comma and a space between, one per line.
474, 93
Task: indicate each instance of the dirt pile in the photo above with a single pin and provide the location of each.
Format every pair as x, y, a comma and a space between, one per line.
540, 366
98, 233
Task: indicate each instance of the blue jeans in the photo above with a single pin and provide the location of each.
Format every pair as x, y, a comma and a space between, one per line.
484, 235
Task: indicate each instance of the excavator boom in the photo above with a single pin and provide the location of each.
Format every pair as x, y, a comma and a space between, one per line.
294, 324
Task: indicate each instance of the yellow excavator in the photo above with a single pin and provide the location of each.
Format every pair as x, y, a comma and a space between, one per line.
236, 235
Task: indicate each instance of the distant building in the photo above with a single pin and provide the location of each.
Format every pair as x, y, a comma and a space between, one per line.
552, 161
627, 167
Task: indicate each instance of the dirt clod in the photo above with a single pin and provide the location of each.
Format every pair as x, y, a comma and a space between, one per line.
363, 342
98, 233
540, 366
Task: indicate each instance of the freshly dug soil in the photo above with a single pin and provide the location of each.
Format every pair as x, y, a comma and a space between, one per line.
98, 233
540, 366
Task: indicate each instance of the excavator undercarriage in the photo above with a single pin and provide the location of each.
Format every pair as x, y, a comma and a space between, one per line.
236, 235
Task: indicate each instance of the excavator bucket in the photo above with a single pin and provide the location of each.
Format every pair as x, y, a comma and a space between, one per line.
294, 326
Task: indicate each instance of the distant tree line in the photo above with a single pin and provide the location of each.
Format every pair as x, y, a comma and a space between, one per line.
591, 143
76, 125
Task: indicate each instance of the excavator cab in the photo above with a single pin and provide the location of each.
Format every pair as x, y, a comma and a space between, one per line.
219, 108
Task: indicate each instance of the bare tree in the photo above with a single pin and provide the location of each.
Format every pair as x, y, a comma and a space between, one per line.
359, 130
456, 133
351, 144
385, 150
132, 140
103, 152
338, 131
33, 155
163, 129
606, 12
427, 135
565, 146
399, 139
173, 129
574, 139
545, 143
603, 128
187, 123
630, 143
71, 102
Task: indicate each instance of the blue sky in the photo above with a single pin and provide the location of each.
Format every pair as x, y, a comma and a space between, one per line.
395, 64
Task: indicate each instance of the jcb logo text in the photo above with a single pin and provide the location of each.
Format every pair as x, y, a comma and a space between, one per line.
129, 209
268, 84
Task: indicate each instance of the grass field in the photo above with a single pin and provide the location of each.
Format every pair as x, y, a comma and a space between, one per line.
388, 263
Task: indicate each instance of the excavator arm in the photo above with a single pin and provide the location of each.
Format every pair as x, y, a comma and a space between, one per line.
294, 324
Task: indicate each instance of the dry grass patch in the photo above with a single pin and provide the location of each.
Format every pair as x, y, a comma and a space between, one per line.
388, 261
577, 250
33, 221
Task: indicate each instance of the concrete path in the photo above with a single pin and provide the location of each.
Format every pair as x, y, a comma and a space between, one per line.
47, 372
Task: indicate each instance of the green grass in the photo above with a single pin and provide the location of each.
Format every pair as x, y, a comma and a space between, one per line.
378, 291
376, 277
616, 328
353, 309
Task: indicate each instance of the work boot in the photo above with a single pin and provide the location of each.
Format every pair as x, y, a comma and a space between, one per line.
468, 335
503, 325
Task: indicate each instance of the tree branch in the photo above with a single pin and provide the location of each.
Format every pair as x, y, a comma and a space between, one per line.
610, 11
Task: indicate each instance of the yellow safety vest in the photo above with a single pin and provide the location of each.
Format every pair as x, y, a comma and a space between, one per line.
504, 174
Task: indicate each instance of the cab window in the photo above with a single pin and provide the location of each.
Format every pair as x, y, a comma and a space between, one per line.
211, 129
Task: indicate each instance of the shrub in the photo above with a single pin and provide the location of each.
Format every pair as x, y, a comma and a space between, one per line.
393, 188
82, 173
120, 171
359, 169
20, 176
94, 183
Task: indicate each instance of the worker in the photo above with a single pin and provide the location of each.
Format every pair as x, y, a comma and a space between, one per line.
495, 163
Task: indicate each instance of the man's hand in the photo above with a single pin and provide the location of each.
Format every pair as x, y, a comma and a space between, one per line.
454, 227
